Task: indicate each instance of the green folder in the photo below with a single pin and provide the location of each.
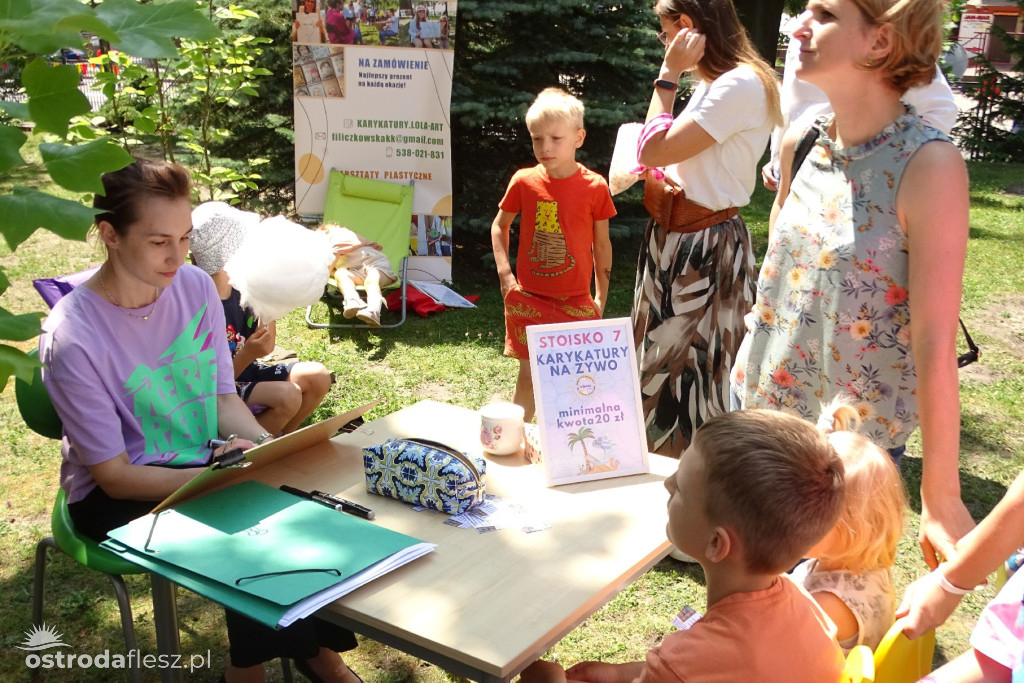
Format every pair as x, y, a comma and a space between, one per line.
262, 551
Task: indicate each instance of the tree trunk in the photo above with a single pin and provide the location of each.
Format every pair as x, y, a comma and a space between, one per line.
761, 18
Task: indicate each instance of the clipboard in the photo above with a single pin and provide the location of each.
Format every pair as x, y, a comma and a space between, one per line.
264, 552
263, 455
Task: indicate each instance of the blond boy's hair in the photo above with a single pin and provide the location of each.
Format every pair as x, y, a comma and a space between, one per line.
774, 480
870, 524
555, 103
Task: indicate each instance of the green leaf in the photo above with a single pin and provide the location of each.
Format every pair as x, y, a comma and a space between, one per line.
11, 140
17, 363
79, 167
17, 110
145, 124
53, 96
88, 22
26, 210
44, 26
149, 30
4, 282
20, 327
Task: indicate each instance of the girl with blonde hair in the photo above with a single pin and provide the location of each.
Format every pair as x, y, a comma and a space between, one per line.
849, 573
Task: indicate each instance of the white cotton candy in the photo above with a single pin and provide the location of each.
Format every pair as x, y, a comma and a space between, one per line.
620, 174
279, 267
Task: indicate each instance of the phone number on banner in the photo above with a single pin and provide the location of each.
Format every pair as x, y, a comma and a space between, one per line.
419, 153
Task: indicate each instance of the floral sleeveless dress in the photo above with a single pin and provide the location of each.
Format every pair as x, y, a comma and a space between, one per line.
832, 315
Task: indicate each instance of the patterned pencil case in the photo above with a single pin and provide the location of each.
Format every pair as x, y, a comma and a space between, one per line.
425, 473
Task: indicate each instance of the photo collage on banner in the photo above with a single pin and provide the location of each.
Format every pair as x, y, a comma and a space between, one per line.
372, 84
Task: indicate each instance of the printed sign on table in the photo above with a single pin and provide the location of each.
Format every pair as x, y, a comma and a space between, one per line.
588, 400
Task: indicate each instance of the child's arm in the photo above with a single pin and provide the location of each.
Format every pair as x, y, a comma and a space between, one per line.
259, 344
839, 613
602, 264
500, 229
927, 604
543, 672
603, 672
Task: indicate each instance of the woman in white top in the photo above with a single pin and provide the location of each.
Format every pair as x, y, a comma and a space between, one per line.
696, 274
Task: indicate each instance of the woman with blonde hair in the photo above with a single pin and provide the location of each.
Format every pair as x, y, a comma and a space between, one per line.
695, 274
859, 292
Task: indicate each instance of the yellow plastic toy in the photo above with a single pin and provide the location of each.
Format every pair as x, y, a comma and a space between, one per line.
901, 660
860, 666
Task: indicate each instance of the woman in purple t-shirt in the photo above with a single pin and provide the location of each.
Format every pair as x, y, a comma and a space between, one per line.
137, 365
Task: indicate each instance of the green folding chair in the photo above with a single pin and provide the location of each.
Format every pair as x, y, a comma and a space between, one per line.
38, 413
379, 211
40, 416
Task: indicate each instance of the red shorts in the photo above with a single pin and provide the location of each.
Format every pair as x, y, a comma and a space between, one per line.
523, 309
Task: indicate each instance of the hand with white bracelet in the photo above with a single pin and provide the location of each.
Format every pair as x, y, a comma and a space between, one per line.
928, 602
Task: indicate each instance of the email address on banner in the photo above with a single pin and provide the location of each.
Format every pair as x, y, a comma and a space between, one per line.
390, 139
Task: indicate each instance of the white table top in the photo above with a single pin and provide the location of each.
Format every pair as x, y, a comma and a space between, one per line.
489, 604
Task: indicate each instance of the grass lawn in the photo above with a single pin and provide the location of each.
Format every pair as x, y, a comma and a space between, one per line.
456, 357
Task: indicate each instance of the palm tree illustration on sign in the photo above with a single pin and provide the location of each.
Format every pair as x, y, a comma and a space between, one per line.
591, 464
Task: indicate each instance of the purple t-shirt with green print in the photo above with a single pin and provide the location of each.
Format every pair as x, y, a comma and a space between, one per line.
145, 387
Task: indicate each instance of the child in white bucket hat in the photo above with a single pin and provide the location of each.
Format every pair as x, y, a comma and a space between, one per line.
289, 392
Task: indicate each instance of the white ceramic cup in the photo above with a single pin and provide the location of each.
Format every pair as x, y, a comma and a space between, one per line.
501, 428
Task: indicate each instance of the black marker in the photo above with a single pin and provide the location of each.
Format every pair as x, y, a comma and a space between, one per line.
313, 496
342, 504
339, 504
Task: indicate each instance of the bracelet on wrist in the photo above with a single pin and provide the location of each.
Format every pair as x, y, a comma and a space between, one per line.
261, 438
665, 85
948, 587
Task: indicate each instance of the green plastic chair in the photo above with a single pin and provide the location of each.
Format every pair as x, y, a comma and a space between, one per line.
379, 211
38, 413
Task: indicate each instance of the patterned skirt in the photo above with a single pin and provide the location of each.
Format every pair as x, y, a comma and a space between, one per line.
692, 291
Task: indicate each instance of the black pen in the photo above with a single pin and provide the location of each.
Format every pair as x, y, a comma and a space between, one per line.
339, 504
345, 505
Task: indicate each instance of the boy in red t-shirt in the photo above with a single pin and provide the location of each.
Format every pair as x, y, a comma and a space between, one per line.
563, 234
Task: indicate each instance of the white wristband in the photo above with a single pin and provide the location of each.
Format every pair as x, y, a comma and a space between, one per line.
945, 585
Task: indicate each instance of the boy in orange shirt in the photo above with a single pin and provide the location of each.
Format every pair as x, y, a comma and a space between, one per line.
753, 492
563, 234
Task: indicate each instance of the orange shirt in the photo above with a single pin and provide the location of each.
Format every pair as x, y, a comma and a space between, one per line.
556, 228
779, 634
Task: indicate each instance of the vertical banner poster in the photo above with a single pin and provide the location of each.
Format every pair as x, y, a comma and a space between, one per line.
372, 84
587, 391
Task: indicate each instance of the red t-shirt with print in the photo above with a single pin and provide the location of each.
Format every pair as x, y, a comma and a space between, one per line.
556, 228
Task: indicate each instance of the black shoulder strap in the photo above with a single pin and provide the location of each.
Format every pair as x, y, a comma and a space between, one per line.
803, 148
973, 352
